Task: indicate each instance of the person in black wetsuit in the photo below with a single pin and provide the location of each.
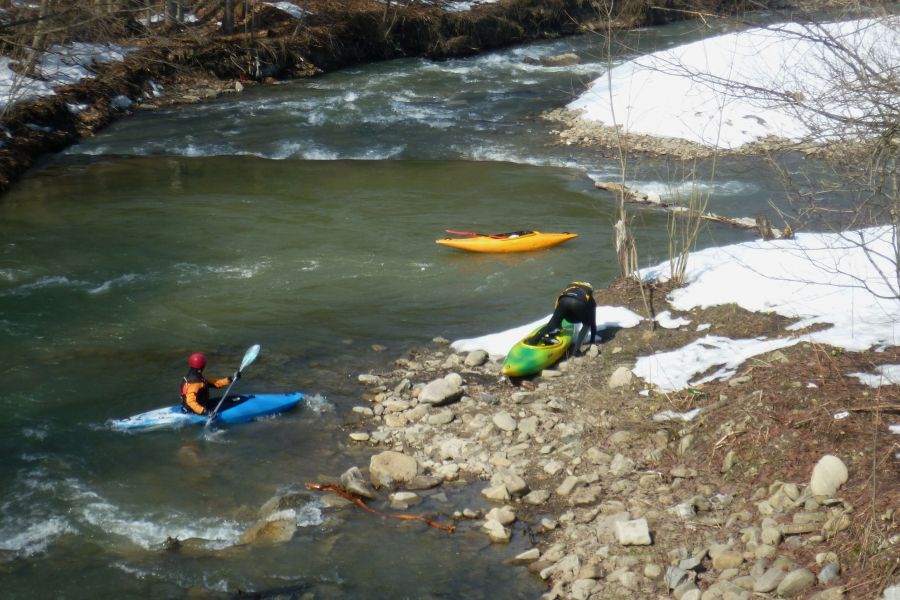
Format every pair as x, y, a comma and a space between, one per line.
575, 304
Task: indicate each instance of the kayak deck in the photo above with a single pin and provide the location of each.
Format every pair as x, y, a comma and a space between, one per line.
236, 409
520, 241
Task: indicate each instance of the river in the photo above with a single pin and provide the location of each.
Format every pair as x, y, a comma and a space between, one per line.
301, 217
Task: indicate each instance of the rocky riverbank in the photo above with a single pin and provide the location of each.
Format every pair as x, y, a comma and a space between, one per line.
737, 489
574, 130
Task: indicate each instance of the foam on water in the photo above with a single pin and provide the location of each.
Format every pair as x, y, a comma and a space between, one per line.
31, 539
109, 284
152, 532
317, 403
228, 271
51, 281
683, 189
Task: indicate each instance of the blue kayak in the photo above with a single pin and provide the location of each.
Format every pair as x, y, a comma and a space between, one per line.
237, 409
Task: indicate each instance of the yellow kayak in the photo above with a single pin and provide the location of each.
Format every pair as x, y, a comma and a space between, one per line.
517, 241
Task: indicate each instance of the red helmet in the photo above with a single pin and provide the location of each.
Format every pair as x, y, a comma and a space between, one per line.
197, 361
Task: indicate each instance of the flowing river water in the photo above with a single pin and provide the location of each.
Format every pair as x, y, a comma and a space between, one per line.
301, 217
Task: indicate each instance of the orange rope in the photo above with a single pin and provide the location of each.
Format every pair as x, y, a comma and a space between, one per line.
331, 487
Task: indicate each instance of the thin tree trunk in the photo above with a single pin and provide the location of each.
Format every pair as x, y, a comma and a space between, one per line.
228, 17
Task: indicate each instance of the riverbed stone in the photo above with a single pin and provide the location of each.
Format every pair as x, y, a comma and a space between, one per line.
506, 515
827, 476
796, 582
569, 484
769, 580
277, 528
633, 533
444, 417
403, 500
536, 497
504, 421
353, 481
529, 556
515, 485
837, 593
496, 493
621, 378
440, 392
496, 531
390, 468
476, 358
729, 559
830, 572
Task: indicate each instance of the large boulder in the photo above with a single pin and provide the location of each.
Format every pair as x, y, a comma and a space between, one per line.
391, 468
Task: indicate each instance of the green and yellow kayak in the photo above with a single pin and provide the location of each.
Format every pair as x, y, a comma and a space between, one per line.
526, 359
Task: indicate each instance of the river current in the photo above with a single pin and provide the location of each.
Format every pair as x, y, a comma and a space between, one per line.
301, 217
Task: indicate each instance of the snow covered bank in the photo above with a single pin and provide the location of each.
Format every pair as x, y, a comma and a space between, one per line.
59, 65
700, 92
830, 279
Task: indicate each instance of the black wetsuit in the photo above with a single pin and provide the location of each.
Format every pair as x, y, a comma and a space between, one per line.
575, 304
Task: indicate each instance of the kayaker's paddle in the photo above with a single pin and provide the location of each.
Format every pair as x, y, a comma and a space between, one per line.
249, 356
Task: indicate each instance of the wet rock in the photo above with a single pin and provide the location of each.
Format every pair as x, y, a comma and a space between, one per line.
367, 379
403, 500
524, 558
354, 482
496, 493
505, 515
827, 476
275, 529
496, 531
390, 468
424, 482
284, 501
560, 60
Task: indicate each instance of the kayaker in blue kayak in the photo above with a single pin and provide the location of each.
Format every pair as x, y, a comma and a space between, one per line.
195, 387
575, 304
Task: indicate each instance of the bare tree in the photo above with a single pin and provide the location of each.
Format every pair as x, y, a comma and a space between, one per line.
228, 16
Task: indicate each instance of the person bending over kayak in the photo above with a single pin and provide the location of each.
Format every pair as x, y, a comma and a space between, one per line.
575, 304
195, 387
